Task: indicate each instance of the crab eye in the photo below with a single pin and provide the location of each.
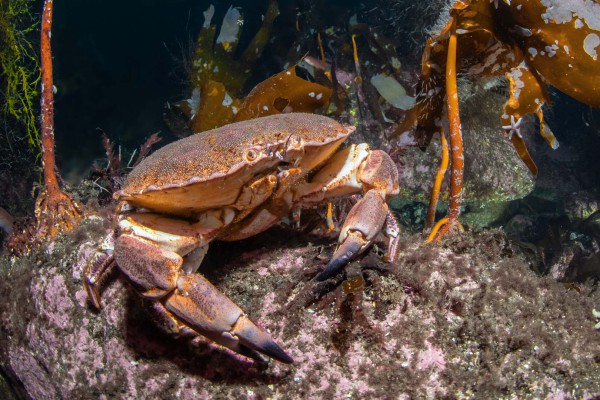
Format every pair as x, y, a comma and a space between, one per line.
251, 155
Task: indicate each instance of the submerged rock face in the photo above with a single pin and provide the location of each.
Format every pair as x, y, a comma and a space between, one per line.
494, 173
464, 320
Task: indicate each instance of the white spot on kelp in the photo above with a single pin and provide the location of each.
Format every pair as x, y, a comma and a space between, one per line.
532, 51
230, 27
564, 11
208, 14
227, 100
590, 43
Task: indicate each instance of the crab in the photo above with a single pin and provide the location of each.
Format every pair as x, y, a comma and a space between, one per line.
228, 184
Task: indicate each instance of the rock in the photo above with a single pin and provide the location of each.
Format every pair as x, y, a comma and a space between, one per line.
494, 173
465, 320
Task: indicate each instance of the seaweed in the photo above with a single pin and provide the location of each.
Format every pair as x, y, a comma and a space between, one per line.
219, 76
111, 177
216, 58
55, 210
531, 43
19, 66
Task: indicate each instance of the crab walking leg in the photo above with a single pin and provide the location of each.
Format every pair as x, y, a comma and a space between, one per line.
95, 274
392, 231
194, 303
456, 145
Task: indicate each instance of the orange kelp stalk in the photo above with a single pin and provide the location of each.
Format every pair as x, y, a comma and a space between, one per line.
456, 143
55, 210
532, 43
437, 184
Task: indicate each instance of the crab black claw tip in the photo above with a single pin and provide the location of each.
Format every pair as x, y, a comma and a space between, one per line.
272, 349
352, 245
255, 338
334, 266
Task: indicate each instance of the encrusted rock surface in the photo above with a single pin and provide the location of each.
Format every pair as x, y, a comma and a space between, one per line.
493, 170
464, 320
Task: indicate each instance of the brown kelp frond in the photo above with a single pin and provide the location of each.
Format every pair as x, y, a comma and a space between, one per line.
213, 106
531, 43
216, 58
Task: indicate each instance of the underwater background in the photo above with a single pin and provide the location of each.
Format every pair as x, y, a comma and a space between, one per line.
115, 72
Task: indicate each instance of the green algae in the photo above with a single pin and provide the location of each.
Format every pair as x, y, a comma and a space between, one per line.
20, 70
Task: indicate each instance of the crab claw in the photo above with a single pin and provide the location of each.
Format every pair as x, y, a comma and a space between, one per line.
200, 306
364, 221
255, 338
351, 246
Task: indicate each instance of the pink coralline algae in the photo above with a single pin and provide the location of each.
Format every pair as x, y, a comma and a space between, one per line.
460, 321
432, 357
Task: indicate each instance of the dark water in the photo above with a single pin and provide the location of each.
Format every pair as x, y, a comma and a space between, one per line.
117, 63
